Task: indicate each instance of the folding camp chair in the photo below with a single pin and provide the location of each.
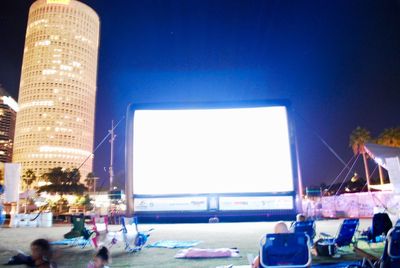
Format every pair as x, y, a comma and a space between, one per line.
307, 227
328, 245
100, 227
134, 240
78, 224
391, 254
345, 234
79, 235
381, 224
285, 250
2, 215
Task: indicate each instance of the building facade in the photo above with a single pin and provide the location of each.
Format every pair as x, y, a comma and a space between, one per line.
8, 113
55, 124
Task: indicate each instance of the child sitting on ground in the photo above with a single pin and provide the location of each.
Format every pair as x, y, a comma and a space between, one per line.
41, 254
101, 259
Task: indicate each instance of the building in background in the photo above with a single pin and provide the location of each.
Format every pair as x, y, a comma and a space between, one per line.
55, 124
8, 113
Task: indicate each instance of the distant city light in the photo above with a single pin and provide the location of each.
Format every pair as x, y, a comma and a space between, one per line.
10, 102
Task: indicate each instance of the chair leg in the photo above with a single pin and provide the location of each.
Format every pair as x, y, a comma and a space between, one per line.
94, 241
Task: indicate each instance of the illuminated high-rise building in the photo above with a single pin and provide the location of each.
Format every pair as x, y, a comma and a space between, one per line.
8, 113
55, 124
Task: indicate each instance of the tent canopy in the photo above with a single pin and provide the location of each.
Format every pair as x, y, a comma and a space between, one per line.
389, 159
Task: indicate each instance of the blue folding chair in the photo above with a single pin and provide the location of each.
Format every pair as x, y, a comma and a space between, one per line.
307, 227
2, 215
391, 254
2, 212
285, 250
134, 240
345, 235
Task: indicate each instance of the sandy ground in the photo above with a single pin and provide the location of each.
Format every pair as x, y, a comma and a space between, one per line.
244, 236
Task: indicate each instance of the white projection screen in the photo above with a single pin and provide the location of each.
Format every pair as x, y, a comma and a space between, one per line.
239, 150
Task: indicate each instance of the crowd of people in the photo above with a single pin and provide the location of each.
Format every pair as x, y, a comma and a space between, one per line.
41, 255
41, 252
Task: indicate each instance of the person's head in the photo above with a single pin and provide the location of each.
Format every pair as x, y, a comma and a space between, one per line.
40, 249
281, 228
102, 257
300, 217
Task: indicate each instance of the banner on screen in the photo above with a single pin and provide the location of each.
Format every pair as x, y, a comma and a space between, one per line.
171, 204
256, 203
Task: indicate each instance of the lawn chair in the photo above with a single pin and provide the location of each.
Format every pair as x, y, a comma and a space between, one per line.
100, 227
79, 235
381, 224
307, 227
391, 254
2, 216
134, 240
285, 250
345, 234
328, 245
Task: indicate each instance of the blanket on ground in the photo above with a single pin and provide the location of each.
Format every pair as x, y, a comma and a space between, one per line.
200, 253
70, 242
173, 244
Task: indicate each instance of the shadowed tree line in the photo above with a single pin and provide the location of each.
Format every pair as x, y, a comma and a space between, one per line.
58, 181
62, 181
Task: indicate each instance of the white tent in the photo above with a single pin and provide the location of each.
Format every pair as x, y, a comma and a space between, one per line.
389, 159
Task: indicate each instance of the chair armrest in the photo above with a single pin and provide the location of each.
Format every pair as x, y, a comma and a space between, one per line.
325, 235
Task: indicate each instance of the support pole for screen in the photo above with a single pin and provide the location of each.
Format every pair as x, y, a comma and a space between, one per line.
129, 163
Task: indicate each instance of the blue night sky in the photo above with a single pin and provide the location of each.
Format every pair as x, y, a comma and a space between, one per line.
337, 61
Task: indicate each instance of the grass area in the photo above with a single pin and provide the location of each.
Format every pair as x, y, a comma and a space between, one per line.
244, 236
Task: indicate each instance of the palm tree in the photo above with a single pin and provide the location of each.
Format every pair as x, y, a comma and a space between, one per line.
358, 138
29, 177
388, 137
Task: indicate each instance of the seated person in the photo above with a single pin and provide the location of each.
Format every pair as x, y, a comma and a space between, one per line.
279, 228
299, 218
101, 259
41, 254
381, 224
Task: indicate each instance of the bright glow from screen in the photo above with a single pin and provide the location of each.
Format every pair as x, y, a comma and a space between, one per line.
242, 150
